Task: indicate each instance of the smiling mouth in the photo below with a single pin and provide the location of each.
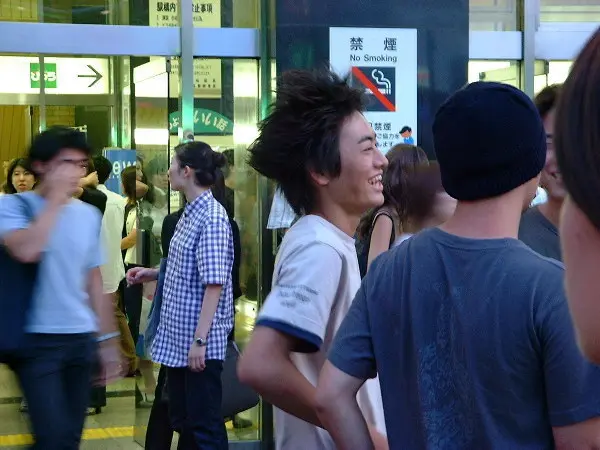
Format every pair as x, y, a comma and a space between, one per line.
374, 181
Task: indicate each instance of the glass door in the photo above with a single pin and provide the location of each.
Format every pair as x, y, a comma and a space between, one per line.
151, 99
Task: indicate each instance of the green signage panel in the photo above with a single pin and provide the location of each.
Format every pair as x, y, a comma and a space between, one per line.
206, 121
50, 75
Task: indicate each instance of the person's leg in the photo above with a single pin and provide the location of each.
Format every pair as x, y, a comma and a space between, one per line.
159, 435
203, 403
79, 366
176, 388
127, 345
132, 299
41, 374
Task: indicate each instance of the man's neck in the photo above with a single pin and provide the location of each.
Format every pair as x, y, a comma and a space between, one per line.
488, 219
335, 215
551, 210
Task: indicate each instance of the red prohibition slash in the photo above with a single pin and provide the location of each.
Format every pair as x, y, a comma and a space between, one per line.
364, 80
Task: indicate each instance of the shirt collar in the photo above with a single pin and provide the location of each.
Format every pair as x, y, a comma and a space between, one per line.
198, 203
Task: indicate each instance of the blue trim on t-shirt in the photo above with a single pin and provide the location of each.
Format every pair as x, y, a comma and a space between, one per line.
308, 342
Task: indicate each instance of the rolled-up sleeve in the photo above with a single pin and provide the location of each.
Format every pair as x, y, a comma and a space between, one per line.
214, 253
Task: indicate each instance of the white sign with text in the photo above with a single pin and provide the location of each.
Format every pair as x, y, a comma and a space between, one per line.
383, 61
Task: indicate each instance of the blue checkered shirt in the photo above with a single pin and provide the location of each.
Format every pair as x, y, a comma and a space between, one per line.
200, 253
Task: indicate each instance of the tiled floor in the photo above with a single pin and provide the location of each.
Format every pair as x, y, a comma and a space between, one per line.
120, 422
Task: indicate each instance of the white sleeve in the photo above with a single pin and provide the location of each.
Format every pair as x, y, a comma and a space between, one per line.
304, 291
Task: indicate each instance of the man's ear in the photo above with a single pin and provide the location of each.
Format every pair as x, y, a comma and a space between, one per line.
318, 178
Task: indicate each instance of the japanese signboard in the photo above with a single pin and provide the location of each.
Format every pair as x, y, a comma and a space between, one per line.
382, 61
206, 14
22, 75
206, 121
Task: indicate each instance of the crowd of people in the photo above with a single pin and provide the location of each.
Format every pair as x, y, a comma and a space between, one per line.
415, 304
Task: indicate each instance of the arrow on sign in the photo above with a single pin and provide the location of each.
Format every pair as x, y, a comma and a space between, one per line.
96, 75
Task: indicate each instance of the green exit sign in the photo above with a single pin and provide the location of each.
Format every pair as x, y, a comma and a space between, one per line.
50, 76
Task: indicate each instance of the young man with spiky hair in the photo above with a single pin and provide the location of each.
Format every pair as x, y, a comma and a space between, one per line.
319, 148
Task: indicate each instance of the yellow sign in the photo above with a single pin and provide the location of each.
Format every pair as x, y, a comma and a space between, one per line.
206, 14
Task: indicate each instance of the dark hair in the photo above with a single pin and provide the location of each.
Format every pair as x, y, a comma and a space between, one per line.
577, 131
49, 143
402, 159
8, 187
302, 132
405, 129
103, 168
91, 167
547, 99
202, 159
423, 183
229, 162
128, 178
218, 188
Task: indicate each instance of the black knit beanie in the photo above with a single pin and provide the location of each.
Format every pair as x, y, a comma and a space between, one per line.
489, 139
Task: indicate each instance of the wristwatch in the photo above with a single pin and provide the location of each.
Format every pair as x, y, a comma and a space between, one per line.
201, 342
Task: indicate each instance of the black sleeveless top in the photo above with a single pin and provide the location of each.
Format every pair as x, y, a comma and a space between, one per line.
364, 245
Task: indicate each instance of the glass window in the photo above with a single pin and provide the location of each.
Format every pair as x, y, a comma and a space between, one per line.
501, 71
569, 11
207, 13
493, 15
557, 72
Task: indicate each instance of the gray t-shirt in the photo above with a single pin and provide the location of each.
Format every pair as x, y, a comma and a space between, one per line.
540, 234
61, 304
473, 343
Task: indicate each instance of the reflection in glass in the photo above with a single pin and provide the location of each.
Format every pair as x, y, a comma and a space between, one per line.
500, 71
557, 73
228, 124
493, 15
570, 11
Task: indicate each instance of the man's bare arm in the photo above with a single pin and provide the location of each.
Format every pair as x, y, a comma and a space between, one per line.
338, 409
581, 436
27, 245
266, 367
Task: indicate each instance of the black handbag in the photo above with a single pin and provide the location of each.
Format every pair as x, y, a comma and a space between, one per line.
237, 397
17, 280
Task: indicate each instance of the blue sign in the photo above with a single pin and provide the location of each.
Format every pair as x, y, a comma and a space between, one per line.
120, 159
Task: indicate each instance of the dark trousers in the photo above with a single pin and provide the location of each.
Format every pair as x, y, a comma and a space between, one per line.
132, 299
195, 407
55, 372
159, 435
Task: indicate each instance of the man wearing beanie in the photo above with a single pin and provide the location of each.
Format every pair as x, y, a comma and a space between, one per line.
466, 326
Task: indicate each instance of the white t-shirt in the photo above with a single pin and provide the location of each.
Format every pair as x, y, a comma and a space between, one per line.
400, 239
131, 221
314, 283
113, 271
